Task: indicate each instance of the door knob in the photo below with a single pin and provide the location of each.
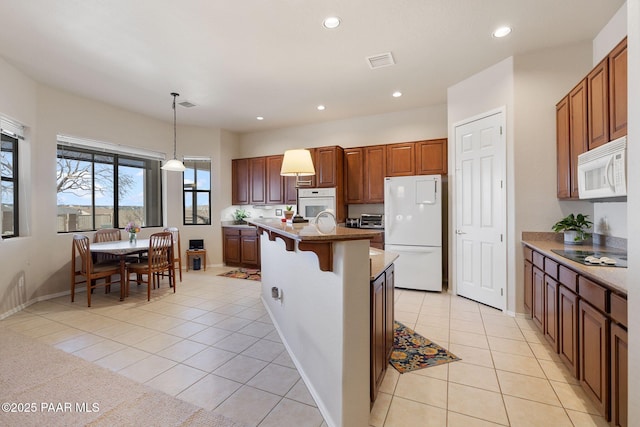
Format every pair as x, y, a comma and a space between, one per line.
460, 232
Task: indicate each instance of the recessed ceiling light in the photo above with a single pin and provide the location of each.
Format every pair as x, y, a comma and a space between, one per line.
397, 94
320, 107
259, 118
502, 32
331, 22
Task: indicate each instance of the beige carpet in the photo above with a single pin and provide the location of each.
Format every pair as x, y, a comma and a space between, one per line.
63, 387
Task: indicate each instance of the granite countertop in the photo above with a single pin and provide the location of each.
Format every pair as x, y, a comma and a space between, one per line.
379, 261
308, 232
613, 277
232, 224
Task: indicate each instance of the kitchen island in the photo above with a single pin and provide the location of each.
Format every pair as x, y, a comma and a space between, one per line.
316, 288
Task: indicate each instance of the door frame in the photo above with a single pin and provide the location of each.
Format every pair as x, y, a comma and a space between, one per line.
453, 176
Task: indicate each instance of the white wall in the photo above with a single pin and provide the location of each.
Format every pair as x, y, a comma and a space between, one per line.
485, 91
610, 35
403, 126
633, 201
36, 264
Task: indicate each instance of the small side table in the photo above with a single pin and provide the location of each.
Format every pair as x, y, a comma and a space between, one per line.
196, 252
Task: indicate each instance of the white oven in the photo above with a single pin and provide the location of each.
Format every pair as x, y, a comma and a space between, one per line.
312, 201
602, 172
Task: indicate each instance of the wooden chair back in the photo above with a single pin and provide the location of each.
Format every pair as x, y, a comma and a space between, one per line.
177, 249
160, 250
91, 273
107, 235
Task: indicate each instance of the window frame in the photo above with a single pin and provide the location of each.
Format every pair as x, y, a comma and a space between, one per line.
14, 180
151, 165
192, 164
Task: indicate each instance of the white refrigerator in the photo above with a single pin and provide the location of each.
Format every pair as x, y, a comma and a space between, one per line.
413, 229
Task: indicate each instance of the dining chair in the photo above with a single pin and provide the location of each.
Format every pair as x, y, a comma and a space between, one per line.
177, 251
106, 235
158, 261
90, 271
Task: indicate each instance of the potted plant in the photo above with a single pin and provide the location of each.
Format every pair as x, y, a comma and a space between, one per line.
288, 212
239, 216
574, 228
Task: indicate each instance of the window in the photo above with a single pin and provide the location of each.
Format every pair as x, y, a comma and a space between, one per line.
102, 189
9, 186
197, 191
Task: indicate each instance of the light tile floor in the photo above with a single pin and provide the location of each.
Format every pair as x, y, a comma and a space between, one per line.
213, 344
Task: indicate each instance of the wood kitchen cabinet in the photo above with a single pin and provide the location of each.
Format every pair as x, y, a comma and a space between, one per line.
618, 90
593, 352
591, 322
551, 311
598, 104
257, 181
382, 327
528, 279
274, 181
354, 175
375, 158
328, 163
578, 135
619, 375
431, 157
563, 148
241, 247
401, 159
240, 181
568, 319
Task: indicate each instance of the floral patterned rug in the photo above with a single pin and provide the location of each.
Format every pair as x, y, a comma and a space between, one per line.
412, 351
243, 273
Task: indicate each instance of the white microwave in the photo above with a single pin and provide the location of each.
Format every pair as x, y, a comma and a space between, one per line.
602, 172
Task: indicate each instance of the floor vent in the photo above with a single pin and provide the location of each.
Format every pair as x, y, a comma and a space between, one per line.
381, 60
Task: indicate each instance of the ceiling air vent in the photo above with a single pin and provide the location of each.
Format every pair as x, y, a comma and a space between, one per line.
381, 60
186, 104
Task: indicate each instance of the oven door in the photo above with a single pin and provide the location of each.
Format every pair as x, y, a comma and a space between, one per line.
312, 206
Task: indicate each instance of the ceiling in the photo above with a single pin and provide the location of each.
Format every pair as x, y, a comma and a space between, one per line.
236, 60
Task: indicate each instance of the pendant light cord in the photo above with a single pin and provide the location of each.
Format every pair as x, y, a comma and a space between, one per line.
174, 124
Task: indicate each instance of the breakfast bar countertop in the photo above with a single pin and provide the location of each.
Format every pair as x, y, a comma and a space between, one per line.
614, 277
308, 232
380, 261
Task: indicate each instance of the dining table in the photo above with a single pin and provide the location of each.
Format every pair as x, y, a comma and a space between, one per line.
122, 249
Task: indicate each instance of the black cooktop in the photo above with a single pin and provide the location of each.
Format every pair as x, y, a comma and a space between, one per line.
579, 256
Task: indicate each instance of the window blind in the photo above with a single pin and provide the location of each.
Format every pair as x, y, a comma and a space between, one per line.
11, 128
109, 147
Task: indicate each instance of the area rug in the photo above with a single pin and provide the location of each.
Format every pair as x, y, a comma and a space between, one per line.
412, 351
243, 273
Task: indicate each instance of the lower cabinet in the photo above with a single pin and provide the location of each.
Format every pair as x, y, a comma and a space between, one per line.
619, 375
568, 329
585, 322
241, 247
381, 340
593, 347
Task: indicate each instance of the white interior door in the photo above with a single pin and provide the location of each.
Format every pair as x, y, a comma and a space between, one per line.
481, 210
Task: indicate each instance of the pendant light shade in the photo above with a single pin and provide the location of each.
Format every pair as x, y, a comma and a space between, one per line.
174, 165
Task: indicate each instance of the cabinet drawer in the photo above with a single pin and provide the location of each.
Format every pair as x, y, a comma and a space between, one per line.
248, 231
568, 278
538, 260
619, 309
551, 268
593, 293
231, 231
528, 254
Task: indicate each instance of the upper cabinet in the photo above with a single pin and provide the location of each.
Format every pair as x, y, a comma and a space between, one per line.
240, 181
354, 175
598, 104
257, 181
431, 157
401, 159
618, 91
592, 114
328, 163
375, 157
274, 182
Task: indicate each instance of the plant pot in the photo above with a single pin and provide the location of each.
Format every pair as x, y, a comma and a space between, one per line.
571, 238
288, 214
239, 221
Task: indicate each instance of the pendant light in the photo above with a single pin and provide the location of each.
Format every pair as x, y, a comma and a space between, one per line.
174, 164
